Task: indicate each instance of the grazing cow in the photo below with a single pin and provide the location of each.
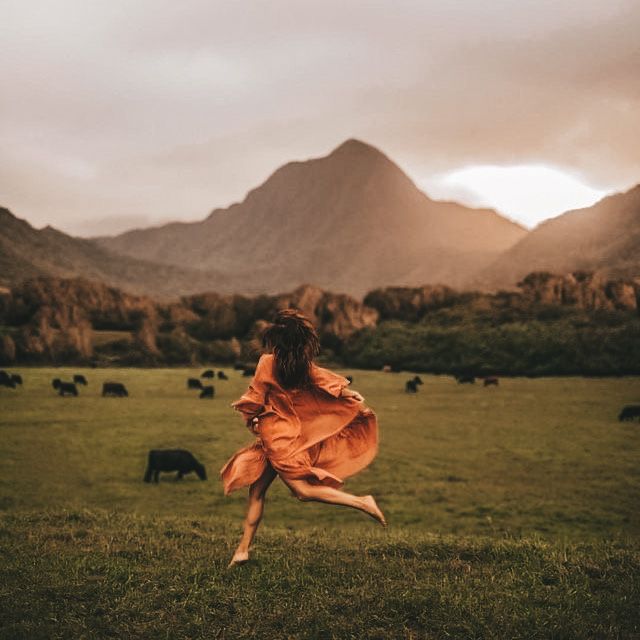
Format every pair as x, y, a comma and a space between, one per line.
178, 460
491, 380
194, 383
411, 386
249, 371
66, 388
207, 392
114, 389
7, 380
630, 412
418, 380
17, 378
208, 374
78, 378
466, 379
350, 379
222, 375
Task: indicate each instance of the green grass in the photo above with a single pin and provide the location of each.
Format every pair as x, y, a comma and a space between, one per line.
514, 512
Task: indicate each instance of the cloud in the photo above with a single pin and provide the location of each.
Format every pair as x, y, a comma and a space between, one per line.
167, 110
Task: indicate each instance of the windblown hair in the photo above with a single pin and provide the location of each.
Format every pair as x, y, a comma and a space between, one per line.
294, 342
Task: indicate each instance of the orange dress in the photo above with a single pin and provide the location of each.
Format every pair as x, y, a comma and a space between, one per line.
310, 433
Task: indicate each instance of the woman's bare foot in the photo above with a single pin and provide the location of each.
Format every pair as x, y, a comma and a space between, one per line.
373, 510
239, 557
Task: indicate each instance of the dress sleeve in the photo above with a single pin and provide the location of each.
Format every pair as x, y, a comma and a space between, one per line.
252, 401
328, 381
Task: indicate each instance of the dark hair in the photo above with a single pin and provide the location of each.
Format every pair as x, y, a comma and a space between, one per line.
294, 342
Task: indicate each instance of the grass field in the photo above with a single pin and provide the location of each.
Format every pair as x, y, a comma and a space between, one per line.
514, 512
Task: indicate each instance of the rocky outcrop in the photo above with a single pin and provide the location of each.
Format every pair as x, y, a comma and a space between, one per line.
56, 319
582, 289
337, 314
52, 320
410, 303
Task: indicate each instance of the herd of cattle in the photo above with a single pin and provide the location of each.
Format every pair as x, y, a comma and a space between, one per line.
411, 386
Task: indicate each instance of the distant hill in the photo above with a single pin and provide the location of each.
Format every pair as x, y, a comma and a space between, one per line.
349, 222
603, 238
26, 252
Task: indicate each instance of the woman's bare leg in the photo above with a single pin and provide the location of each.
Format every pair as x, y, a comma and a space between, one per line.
304, 490
255, 509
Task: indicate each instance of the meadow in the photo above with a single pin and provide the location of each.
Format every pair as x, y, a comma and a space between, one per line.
513, 512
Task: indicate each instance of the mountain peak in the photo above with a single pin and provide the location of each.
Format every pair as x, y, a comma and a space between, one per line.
353, 147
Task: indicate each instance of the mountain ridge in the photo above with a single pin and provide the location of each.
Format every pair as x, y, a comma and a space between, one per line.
28, 252
350, 220
604, 237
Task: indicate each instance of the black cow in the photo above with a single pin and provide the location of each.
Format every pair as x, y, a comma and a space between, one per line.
207, 392
222, 375
17, 378
114, 389
491, 381
466, 379
78, 378
418, 380
350, 379
209, 373
194, 383
249, 371
7, 380
630, 412
65, 388
411, 386
179, 460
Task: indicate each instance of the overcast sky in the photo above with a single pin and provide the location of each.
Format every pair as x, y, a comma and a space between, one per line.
121, 113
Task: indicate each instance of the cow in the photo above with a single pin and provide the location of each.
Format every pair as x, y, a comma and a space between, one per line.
222, 375
411, 386
418, 380
78, 378
65, 388
629, 412
209, 373
114, 389
249, 371
387, 368
466, 378
208, 392
179, 460
7, 380
17, 378
194, 383
350, 379
491, 381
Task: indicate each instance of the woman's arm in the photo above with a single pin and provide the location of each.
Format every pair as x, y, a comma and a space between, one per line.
328, 381
251, 403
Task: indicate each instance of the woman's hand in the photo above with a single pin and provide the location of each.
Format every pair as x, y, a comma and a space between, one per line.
252, 425
350, 393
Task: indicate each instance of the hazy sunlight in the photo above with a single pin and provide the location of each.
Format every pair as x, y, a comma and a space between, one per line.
527, 193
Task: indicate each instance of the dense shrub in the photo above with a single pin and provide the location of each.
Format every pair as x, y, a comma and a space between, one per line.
571, 344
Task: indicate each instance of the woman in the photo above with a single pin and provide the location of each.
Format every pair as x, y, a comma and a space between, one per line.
311, 429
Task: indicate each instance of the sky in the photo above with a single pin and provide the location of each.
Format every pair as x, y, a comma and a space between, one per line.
126, 113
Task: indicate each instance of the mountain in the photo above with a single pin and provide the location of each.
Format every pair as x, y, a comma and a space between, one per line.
349, 222
26, 252
603, 238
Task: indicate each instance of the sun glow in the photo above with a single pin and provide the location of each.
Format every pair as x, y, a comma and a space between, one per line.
526, 193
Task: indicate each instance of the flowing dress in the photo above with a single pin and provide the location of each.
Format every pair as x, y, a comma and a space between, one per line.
310, 433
